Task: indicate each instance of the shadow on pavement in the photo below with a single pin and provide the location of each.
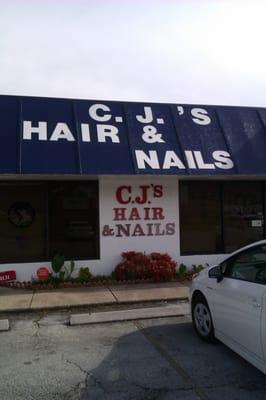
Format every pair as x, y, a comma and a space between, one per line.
169, 362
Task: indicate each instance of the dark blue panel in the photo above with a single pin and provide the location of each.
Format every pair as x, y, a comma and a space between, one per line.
106, 150
63, 136
202, 140
49, 156
262, 117
9, 135
246, 138
152, 137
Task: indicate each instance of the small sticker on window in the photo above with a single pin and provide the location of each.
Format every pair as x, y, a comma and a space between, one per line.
256, 223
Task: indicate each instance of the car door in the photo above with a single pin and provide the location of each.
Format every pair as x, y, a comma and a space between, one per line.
236, 302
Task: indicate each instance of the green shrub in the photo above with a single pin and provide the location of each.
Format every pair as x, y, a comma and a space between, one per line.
57, 263
53, 280
197, 268
182, 271
84, 274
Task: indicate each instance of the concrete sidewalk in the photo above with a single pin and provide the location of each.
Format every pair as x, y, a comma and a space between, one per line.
21, 300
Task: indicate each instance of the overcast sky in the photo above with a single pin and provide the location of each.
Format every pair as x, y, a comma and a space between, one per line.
179, 51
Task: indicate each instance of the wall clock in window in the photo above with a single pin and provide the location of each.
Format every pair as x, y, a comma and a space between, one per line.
21, 214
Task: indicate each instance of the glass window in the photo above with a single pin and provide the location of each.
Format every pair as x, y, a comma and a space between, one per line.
22, 222
220, 216
39, 219
242, 214
200, 217
73, 219
249, 265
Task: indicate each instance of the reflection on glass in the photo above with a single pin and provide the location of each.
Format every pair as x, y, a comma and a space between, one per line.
200, 217
242, 214
74, 219
22, 222
40, 219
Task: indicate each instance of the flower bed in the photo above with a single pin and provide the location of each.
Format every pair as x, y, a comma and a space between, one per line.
64, 285
135, 267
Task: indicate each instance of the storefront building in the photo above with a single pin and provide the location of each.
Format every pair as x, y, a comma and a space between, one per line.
91, 179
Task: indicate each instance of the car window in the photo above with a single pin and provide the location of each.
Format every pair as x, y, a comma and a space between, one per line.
249, 265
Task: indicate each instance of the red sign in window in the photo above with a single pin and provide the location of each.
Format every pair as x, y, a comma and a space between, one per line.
7, 276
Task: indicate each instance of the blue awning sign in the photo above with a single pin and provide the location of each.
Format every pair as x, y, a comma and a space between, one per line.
64, 136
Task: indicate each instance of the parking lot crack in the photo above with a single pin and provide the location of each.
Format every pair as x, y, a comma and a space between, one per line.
36, 323
88, 376
112, 293
152, 393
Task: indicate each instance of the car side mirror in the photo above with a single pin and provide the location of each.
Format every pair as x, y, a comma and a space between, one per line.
216, 273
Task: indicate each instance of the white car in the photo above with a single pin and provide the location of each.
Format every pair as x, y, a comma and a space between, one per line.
228, 302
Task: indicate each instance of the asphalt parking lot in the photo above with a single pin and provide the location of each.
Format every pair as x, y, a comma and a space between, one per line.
44, 358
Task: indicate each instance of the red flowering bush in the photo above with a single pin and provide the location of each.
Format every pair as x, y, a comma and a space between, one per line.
136, 265
163, 267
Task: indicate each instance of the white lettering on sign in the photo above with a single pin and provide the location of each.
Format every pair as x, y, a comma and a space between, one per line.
151, 135
40, 130
200, 116
190, 159
151, 160
105, 131
201, 163
62, 131
194, 159
223, 159
180, 110
147, 118
172, 160
85, 132
101, 117
6, 276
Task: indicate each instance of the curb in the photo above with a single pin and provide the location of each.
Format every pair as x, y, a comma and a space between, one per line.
109, 303
4, 325
129, 315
